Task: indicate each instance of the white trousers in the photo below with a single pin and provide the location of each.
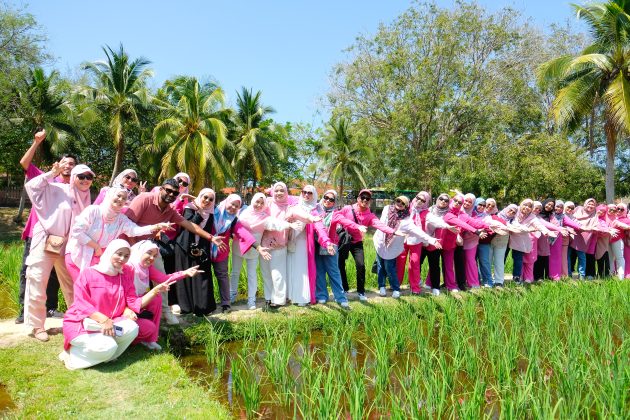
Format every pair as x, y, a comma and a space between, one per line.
252, 276
39, 265
616, 259
91, 349
274, 274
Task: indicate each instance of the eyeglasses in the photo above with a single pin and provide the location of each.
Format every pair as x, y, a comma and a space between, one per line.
330, 199
420, 199
182, 182
443, 198
365, 198
307, 192
130, 178
399, 201
172, 192
83, 177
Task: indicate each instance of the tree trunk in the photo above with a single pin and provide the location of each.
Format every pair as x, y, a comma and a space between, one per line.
611, 146
341, 195
120, 150
19, 217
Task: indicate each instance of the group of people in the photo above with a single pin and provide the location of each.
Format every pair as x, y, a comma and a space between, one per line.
128, 259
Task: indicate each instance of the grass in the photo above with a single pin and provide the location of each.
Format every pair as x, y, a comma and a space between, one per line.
139, 384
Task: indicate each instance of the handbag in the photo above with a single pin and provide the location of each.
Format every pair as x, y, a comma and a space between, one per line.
165, 245
324, 250
345, 239
54, 244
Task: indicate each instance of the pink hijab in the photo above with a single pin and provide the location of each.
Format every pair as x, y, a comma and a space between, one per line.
520, 217
254, 220
451, 205
140, 273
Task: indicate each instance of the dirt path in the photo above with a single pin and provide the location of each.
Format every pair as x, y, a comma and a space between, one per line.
12, 334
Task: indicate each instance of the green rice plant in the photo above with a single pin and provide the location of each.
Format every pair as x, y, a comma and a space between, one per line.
10, 266
276, 362
213, 341
246, 384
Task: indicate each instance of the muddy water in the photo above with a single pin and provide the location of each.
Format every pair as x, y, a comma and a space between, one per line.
6, 403
275, 404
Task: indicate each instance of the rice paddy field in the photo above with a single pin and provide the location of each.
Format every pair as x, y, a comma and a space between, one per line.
554, 350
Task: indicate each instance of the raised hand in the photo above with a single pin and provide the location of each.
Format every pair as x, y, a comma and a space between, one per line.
142, 187
56, 168
40, 136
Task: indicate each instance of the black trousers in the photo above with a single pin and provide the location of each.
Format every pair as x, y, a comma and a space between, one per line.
590, 265
52, 290
356, 249
434, 267
541, 267
603, 266
460, 267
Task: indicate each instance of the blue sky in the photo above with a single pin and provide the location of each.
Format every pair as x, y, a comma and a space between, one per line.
286, 48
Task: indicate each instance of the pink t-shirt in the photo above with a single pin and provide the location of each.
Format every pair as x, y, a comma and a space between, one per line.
31, 173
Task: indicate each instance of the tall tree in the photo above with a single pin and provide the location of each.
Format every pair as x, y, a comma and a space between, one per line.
253, 138
193, 136
120, 93
597, 80
344, 155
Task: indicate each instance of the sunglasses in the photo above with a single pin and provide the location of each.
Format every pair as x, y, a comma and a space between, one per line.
208, 198
83, 177
570, 207
172, 192
329, 199
131, 178
365, 198
442, 198
481, 205
307, 192
459, 202
620, 209
399, 201
182, 182
420, 199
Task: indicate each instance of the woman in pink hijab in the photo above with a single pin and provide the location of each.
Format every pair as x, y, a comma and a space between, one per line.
56, 206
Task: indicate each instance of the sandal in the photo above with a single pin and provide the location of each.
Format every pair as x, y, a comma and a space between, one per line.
40, 334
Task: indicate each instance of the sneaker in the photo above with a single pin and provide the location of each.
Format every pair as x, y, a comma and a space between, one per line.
251, 303
252, 307
362, 297
345, 305
53, 313
382, 291
171, 319
20, 318
40, 334
435, 292
226, 309
426, 287
454, 291
321, 301
498, 285
176, 309
487, 286
151, 345
395, 294
302, 305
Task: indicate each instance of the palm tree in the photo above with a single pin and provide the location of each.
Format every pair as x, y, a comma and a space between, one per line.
597, 79
253, 134
42, 104
121, 94
193, 137
343, 155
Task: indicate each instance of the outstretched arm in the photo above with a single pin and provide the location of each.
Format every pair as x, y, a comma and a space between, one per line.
30, 153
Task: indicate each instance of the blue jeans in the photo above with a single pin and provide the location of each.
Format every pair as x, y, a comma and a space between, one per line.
581, 259
328, 264
387, 268
517, 257
485, 272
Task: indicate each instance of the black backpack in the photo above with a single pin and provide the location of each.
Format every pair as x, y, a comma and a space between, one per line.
345, 239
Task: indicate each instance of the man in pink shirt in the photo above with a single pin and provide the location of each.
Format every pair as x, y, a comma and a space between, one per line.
359, 213
31, 171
